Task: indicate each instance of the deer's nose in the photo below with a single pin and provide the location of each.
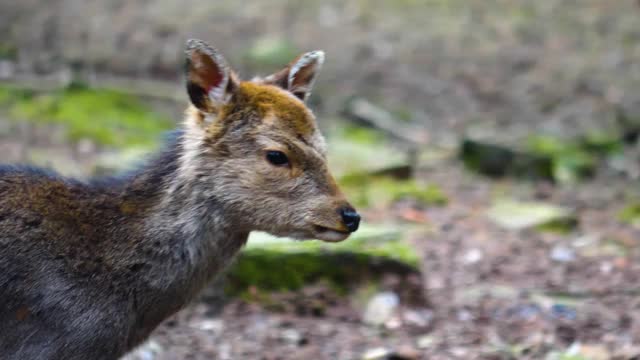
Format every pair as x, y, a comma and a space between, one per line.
350, 218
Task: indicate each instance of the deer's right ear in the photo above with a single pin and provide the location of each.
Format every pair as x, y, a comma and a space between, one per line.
210, 81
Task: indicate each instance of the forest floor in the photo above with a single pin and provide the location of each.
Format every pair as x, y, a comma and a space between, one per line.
481, 290
485, 292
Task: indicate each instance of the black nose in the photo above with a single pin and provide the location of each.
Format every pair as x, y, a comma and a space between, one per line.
350, 218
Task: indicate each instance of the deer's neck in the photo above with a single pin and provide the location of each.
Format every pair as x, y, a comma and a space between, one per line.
186, 234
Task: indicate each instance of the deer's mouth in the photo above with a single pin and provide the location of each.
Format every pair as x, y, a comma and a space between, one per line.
329, 234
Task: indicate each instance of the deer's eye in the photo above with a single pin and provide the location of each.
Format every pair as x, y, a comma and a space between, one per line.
277, 158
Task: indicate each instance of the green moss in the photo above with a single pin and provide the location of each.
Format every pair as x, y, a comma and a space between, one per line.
105, 116
518, 215
10, 94
559, 226
361, 135
369, 190
630, 214
602, 143
276, 271
543, 156
272, 264
546, 145
570, 160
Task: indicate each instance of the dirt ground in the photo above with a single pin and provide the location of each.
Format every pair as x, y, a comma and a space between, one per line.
489, 293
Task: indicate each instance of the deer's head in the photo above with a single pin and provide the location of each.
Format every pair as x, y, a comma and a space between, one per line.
257, 148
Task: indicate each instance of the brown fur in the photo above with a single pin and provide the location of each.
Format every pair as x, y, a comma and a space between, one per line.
88, 270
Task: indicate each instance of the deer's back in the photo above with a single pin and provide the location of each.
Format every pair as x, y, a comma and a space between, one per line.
50, 238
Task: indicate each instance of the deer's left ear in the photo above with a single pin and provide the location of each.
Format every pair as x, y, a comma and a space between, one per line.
298, 77
210, 81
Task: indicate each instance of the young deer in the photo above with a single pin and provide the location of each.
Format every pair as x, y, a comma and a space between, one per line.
88, 270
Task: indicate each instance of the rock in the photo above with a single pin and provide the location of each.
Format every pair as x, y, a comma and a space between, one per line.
419, 318
464, 316
537, 156
499, 160
212, 325
394, 322
561, 253
514, 215
376, 353
381, 308
292, 336
572, 160
472, 256
425, 341
147, 351
371, 252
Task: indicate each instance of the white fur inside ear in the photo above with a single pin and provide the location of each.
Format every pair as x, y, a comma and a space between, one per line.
312, 58
219, 93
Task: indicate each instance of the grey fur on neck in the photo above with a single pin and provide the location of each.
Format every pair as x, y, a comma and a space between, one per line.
198, 227
188, 235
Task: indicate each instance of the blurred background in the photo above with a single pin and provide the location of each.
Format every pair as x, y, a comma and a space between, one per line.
492, 147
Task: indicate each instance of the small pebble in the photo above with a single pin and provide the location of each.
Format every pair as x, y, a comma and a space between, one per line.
561, 253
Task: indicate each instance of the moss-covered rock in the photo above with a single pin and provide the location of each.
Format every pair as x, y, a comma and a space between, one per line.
541, 156
526, 215
276, 264
570, 160
499, 160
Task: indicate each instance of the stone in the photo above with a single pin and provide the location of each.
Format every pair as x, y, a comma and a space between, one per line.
381, 308
561, 253
497, 160
376, 354
514, 215
291, 336
298, 264
150, 350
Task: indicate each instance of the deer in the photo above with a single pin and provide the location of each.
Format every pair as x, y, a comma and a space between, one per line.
89, 268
